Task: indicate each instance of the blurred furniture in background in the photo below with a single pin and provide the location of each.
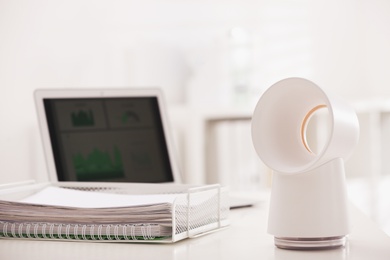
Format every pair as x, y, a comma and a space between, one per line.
215, 146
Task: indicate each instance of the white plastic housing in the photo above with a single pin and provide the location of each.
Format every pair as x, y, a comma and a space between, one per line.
308, 199
310, 204
278, 120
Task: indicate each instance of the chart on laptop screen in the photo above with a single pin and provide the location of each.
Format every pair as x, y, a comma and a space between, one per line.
108, 139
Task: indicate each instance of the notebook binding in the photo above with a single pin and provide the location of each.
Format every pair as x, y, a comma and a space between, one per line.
75, 231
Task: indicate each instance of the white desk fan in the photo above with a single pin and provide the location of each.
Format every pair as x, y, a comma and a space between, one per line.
308, 207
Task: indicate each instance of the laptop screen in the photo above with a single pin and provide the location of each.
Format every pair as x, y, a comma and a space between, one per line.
108, 139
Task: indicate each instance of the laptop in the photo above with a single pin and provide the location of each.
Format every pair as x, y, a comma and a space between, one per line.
106, 135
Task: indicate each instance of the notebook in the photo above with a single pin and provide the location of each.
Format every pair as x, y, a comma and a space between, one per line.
131, 212
108, 135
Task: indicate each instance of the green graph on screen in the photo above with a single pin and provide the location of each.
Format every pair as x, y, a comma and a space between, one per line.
129, 117
98, 165
82, 118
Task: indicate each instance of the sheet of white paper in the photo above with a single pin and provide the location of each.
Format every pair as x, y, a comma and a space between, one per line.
84, 199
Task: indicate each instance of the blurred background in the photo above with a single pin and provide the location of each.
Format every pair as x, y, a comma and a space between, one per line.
213, 59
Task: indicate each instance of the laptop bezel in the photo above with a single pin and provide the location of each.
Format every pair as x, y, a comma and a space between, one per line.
41, 94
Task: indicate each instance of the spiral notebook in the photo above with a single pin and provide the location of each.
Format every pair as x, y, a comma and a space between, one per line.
126, 213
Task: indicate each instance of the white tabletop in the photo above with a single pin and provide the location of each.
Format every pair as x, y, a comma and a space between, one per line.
245, 238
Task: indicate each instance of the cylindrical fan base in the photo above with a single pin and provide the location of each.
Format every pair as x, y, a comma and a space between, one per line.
310, 243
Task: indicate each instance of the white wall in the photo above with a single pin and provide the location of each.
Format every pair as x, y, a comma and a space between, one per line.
182, 46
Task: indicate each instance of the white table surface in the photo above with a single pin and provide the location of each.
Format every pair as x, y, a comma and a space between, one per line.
245, 238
